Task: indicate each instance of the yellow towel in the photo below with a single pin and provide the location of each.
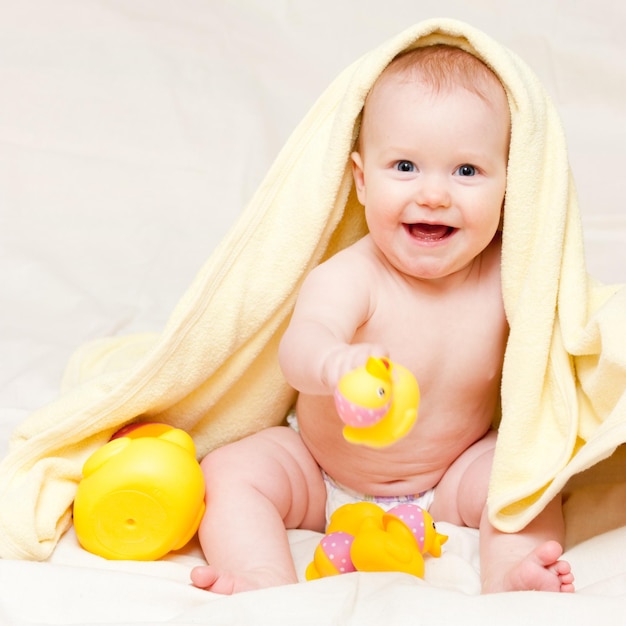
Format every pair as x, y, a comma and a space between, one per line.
213, 370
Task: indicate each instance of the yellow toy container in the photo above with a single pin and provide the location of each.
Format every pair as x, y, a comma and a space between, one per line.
142, 494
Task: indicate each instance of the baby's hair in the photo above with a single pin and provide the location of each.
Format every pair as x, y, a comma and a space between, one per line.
443, 67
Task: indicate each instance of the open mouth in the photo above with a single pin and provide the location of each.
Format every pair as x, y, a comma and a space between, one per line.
429, 232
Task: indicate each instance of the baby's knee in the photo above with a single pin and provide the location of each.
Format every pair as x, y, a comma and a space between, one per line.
473, 489
461, 495
232, 460
274, 464
270, 452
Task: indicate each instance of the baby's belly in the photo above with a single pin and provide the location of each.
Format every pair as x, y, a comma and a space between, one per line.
412, 465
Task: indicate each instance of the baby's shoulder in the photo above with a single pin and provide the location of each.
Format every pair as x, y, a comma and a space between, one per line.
352, 260
345, 279
348, 273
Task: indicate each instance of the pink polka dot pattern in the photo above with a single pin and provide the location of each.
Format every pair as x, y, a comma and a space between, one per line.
413, 516
336, 547
356, 415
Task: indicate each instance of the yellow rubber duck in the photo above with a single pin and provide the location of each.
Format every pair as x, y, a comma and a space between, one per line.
141, 495
332, 556
391, 548
350, 518
422, 526
378, 403
363, 537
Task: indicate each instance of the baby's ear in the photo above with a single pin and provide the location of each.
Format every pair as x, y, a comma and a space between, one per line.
358, 175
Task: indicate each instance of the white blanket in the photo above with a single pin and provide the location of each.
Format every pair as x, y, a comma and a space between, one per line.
109, 159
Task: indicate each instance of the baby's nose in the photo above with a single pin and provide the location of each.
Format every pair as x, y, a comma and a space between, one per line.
432, 192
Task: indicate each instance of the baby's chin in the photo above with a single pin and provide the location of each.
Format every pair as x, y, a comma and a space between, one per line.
433, 270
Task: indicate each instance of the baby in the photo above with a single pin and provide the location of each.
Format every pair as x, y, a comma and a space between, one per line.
423, 288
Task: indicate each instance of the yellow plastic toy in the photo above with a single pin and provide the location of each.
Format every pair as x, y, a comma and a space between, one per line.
142, 494
362, 537
377, 402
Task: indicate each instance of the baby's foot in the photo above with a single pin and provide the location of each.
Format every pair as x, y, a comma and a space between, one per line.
541, 570
227, 583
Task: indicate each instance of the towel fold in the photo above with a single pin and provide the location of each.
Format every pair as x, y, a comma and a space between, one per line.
214, 372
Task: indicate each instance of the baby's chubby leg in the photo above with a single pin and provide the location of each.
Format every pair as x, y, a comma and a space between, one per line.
256, 488
527, 560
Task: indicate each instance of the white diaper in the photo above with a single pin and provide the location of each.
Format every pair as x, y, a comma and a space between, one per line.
292, 419
337, 495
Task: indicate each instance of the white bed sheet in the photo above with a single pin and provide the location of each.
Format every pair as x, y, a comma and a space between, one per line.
132, 132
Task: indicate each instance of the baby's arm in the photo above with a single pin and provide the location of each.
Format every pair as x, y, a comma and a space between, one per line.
334, 302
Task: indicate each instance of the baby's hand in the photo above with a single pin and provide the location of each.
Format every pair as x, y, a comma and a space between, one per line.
346, 358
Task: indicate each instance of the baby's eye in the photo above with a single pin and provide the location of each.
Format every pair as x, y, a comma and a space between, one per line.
405, 166
466, 170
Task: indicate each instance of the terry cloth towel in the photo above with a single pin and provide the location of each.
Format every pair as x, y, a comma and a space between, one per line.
213, 370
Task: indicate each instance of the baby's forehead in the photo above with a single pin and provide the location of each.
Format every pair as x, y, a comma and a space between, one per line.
414, 80
396, 92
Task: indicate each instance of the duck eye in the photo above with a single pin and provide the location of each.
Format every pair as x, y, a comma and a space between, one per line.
381, 392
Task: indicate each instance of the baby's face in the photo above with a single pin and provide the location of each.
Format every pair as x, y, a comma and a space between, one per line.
431, 173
